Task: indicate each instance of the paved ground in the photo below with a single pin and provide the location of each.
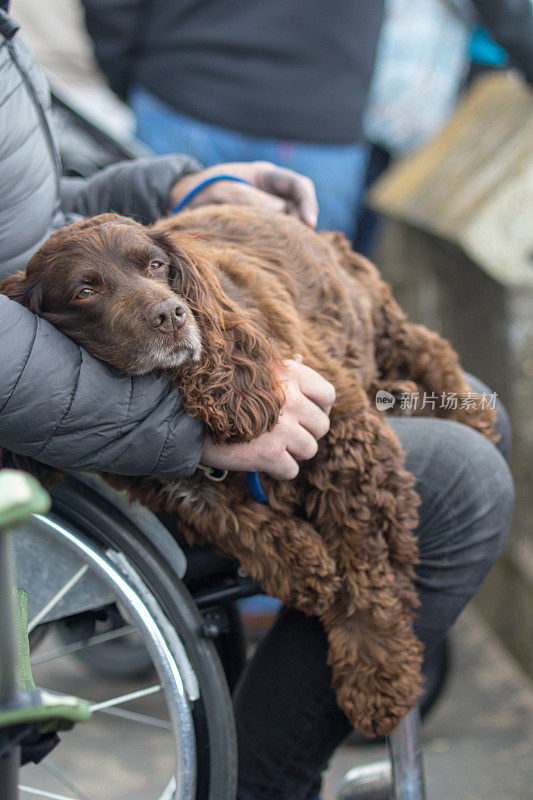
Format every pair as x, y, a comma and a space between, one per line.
478, 742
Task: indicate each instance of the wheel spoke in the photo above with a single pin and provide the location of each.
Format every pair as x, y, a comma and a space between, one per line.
75, 647
108, 706
134, 716
53, 770
43, 793
125, 698
57, 597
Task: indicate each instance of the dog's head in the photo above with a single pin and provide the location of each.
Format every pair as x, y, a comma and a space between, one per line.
150, 298
106, 282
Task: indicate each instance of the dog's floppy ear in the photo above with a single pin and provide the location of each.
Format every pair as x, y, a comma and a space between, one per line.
25, 290
233, 388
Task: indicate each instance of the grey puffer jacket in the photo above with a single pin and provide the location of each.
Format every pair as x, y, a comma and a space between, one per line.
57, 403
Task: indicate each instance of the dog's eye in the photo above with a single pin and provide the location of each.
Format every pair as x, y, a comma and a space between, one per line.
84, 293
153, 265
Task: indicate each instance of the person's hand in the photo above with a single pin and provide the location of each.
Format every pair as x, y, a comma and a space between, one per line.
274, 188
303, 420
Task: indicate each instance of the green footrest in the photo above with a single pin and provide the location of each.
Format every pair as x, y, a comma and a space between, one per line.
53, 712
20, 496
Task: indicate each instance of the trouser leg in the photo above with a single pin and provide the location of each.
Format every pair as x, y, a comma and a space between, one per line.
288, 722
466, 493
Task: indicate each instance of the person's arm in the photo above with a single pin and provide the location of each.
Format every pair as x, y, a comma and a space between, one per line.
149, 188
140, 188
67, 409
116, 28
510, 22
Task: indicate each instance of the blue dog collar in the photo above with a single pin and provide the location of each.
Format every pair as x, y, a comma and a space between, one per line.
255, 487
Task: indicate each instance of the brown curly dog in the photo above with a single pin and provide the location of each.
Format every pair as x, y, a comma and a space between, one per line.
220, 296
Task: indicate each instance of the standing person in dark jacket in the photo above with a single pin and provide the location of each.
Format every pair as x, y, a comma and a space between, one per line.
67, 409
282, 80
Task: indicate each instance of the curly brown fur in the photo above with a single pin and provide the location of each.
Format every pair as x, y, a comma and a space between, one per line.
258, 288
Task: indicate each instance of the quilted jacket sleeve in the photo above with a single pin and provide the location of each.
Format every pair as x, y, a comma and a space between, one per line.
139, 188
67, 409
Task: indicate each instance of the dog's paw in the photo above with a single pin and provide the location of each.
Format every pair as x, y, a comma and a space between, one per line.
375, 705
377, 677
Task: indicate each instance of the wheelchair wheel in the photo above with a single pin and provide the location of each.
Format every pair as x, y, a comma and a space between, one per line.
167, 736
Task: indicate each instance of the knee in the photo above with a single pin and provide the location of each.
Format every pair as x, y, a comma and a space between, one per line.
503, 425
467, 503
482, 494
499, 492
503, 422
465, 487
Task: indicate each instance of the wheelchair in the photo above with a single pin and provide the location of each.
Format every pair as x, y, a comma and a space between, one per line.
102, 574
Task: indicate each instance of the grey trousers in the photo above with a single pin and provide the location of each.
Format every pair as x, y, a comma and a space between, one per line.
288, 722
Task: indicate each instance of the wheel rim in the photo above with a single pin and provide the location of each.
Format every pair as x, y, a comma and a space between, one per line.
176, 682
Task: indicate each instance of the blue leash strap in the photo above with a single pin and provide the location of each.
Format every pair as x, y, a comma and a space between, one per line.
254, 484
198, 188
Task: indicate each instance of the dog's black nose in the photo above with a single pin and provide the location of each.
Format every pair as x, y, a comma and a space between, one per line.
167, 315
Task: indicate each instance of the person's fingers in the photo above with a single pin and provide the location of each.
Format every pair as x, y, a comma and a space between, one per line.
304, 411
285, 468
239, 194
249, 196
301, 443
313, 418
298, 190
312, 384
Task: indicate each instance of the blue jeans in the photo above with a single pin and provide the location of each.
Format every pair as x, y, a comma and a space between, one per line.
338, 171
288, 722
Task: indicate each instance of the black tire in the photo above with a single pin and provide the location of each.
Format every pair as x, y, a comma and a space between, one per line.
213, 712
